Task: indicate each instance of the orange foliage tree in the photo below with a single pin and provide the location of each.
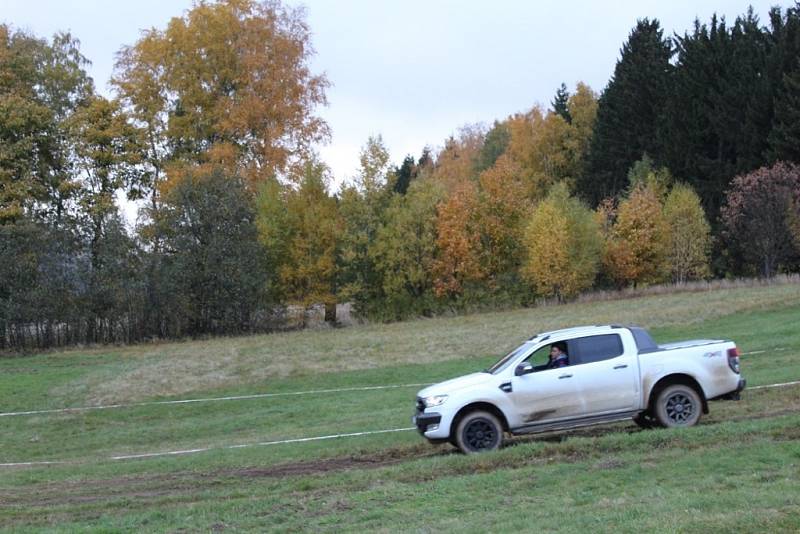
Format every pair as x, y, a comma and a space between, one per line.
456, 163
227, 84
458, 242
479, 231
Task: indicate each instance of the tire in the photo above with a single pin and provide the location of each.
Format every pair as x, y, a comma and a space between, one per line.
645, 420
479, 431
678, 406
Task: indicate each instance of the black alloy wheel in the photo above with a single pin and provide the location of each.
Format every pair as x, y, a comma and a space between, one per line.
479, 432
678, 406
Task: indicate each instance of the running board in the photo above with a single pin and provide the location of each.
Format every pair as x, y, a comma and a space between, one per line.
575, 423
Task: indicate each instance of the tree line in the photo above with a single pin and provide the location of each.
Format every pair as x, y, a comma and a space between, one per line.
683, 168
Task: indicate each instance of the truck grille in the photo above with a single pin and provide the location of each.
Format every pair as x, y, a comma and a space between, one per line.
420, 405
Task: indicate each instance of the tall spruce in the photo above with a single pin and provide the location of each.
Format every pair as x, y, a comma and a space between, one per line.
404, 174
629, 111
784, 139
560, 103
719, 112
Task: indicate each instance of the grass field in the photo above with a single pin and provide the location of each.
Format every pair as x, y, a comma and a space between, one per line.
738, 470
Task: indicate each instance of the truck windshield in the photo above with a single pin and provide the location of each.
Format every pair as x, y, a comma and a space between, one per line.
503, 362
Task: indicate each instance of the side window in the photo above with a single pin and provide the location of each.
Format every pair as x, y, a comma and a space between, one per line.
594, 348
540, 357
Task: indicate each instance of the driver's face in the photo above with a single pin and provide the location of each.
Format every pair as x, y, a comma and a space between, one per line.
554, 351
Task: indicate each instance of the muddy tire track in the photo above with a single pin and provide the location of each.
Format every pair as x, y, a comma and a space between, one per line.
185, 485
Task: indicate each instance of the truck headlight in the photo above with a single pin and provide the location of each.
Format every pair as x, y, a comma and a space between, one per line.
434, 400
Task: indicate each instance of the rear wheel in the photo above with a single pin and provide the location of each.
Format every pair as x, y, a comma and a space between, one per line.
479, 431
678, 406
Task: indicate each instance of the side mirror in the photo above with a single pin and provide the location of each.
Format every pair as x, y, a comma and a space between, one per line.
523, 369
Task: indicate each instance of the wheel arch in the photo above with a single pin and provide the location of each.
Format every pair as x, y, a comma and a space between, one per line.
671, 380
479, 406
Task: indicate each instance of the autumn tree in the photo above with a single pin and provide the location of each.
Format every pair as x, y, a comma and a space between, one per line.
563, 245
106, 156
227, 84
272, 224
361, 207
527, 150
689, 235
644, 173
758, 218
106, 153
479, 234
636, 251
42, 84
457, 161
501, 214
458, 241
305, 248
549, 149
405, 250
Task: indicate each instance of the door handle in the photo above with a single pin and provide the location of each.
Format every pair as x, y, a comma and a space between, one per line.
564, 376
621, 366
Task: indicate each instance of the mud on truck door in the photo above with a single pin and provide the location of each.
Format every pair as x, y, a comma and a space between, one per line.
545, 395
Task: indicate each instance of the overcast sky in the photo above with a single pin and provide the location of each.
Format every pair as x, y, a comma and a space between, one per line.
413, 71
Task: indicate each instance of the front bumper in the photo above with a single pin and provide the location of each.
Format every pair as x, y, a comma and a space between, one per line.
423, 421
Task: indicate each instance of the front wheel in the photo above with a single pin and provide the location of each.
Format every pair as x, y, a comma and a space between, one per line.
678, 406
479, 432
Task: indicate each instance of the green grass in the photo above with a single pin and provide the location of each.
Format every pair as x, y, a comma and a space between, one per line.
738, 470
177, 369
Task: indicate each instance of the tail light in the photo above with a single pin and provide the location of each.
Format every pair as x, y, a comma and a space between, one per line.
733, 359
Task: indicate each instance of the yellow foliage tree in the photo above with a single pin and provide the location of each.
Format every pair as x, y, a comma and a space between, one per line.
690, 235
308, 265
636, 251
404, 250
563, 246
547, 148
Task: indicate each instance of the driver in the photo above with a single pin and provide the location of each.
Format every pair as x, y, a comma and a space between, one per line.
558, 356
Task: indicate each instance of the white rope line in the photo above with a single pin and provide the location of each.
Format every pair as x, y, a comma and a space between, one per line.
248, 397
796, 382
778, 349
206, 449
259, 444
209, 399
25, 464
267, 443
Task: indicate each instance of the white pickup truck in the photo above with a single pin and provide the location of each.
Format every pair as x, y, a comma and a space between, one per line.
613, 373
